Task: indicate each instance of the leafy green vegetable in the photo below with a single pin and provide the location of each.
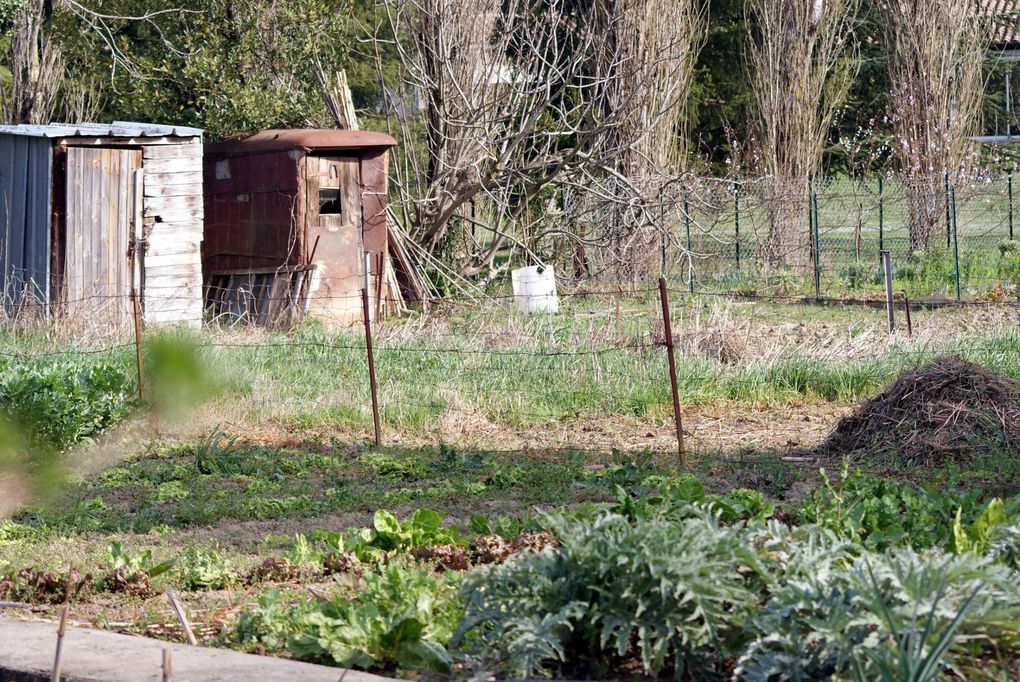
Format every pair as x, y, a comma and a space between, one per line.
882, 513
399, 617
978, 535
205, 570
142, 561
664, 592
63, 403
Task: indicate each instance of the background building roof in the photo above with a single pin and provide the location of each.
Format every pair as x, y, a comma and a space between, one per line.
115, 129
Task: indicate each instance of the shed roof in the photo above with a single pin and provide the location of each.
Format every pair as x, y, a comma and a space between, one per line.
1004, 16
305, 139
115, 129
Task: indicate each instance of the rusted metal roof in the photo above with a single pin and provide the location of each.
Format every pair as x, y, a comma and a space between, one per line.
116, 129
306, 139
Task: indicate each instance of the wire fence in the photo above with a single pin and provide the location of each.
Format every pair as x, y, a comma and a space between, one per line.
594, 377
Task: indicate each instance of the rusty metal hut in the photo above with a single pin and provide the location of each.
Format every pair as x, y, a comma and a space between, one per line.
290, 217
90, 211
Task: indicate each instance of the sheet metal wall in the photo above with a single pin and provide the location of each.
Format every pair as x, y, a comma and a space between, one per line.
253, 217
26, 165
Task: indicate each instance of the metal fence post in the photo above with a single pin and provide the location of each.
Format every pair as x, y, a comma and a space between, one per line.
817, 263
367, 315
690, 250
956, 243
668, 330
949, 219
665, 241
881, 215
736, 221
1009, 191
887, 269
906, 313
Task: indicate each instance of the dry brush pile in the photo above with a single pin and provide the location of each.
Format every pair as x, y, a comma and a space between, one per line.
947, 410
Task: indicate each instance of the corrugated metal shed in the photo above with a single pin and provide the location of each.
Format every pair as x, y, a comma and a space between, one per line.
115, 129
25, 167
74, 198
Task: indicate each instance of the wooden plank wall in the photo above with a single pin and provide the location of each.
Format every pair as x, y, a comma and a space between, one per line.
97, 281
172, 219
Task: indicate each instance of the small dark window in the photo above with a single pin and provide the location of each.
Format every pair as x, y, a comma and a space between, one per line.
329, 201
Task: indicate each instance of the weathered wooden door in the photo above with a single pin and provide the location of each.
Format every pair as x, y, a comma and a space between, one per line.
100, 215
333, 214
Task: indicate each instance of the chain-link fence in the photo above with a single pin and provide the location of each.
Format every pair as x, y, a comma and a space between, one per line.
824, 236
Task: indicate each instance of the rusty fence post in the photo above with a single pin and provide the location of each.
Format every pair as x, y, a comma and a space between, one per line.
668, 330
906, 314
371, 364
137, 310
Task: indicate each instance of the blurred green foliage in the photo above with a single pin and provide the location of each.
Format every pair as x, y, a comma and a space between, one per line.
177, 376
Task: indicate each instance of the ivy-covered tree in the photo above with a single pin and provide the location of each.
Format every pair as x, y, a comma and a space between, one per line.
229, 66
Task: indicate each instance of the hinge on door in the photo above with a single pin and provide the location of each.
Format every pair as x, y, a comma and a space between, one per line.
136, 246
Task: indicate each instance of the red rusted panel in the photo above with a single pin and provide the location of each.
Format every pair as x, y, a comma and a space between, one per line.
373, 207
373, 171
249, 209
373, 200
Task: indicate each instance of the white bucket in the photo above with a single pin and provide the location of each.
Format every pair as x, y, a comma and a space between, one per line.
535, 289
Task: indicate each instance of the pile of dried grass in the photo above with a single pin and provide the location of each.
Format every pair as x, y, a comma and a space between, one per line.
949, 409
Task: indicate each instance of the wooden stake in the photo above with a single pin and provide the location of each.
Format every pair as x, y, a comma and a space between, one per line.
60, 645
668, 329
182, 617
168, 674
371, 366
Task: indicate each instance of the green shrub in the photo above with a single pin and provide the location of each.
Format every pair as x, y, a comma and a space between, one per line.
883, 513
887, 612
664, 594
65, 402
856, 275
